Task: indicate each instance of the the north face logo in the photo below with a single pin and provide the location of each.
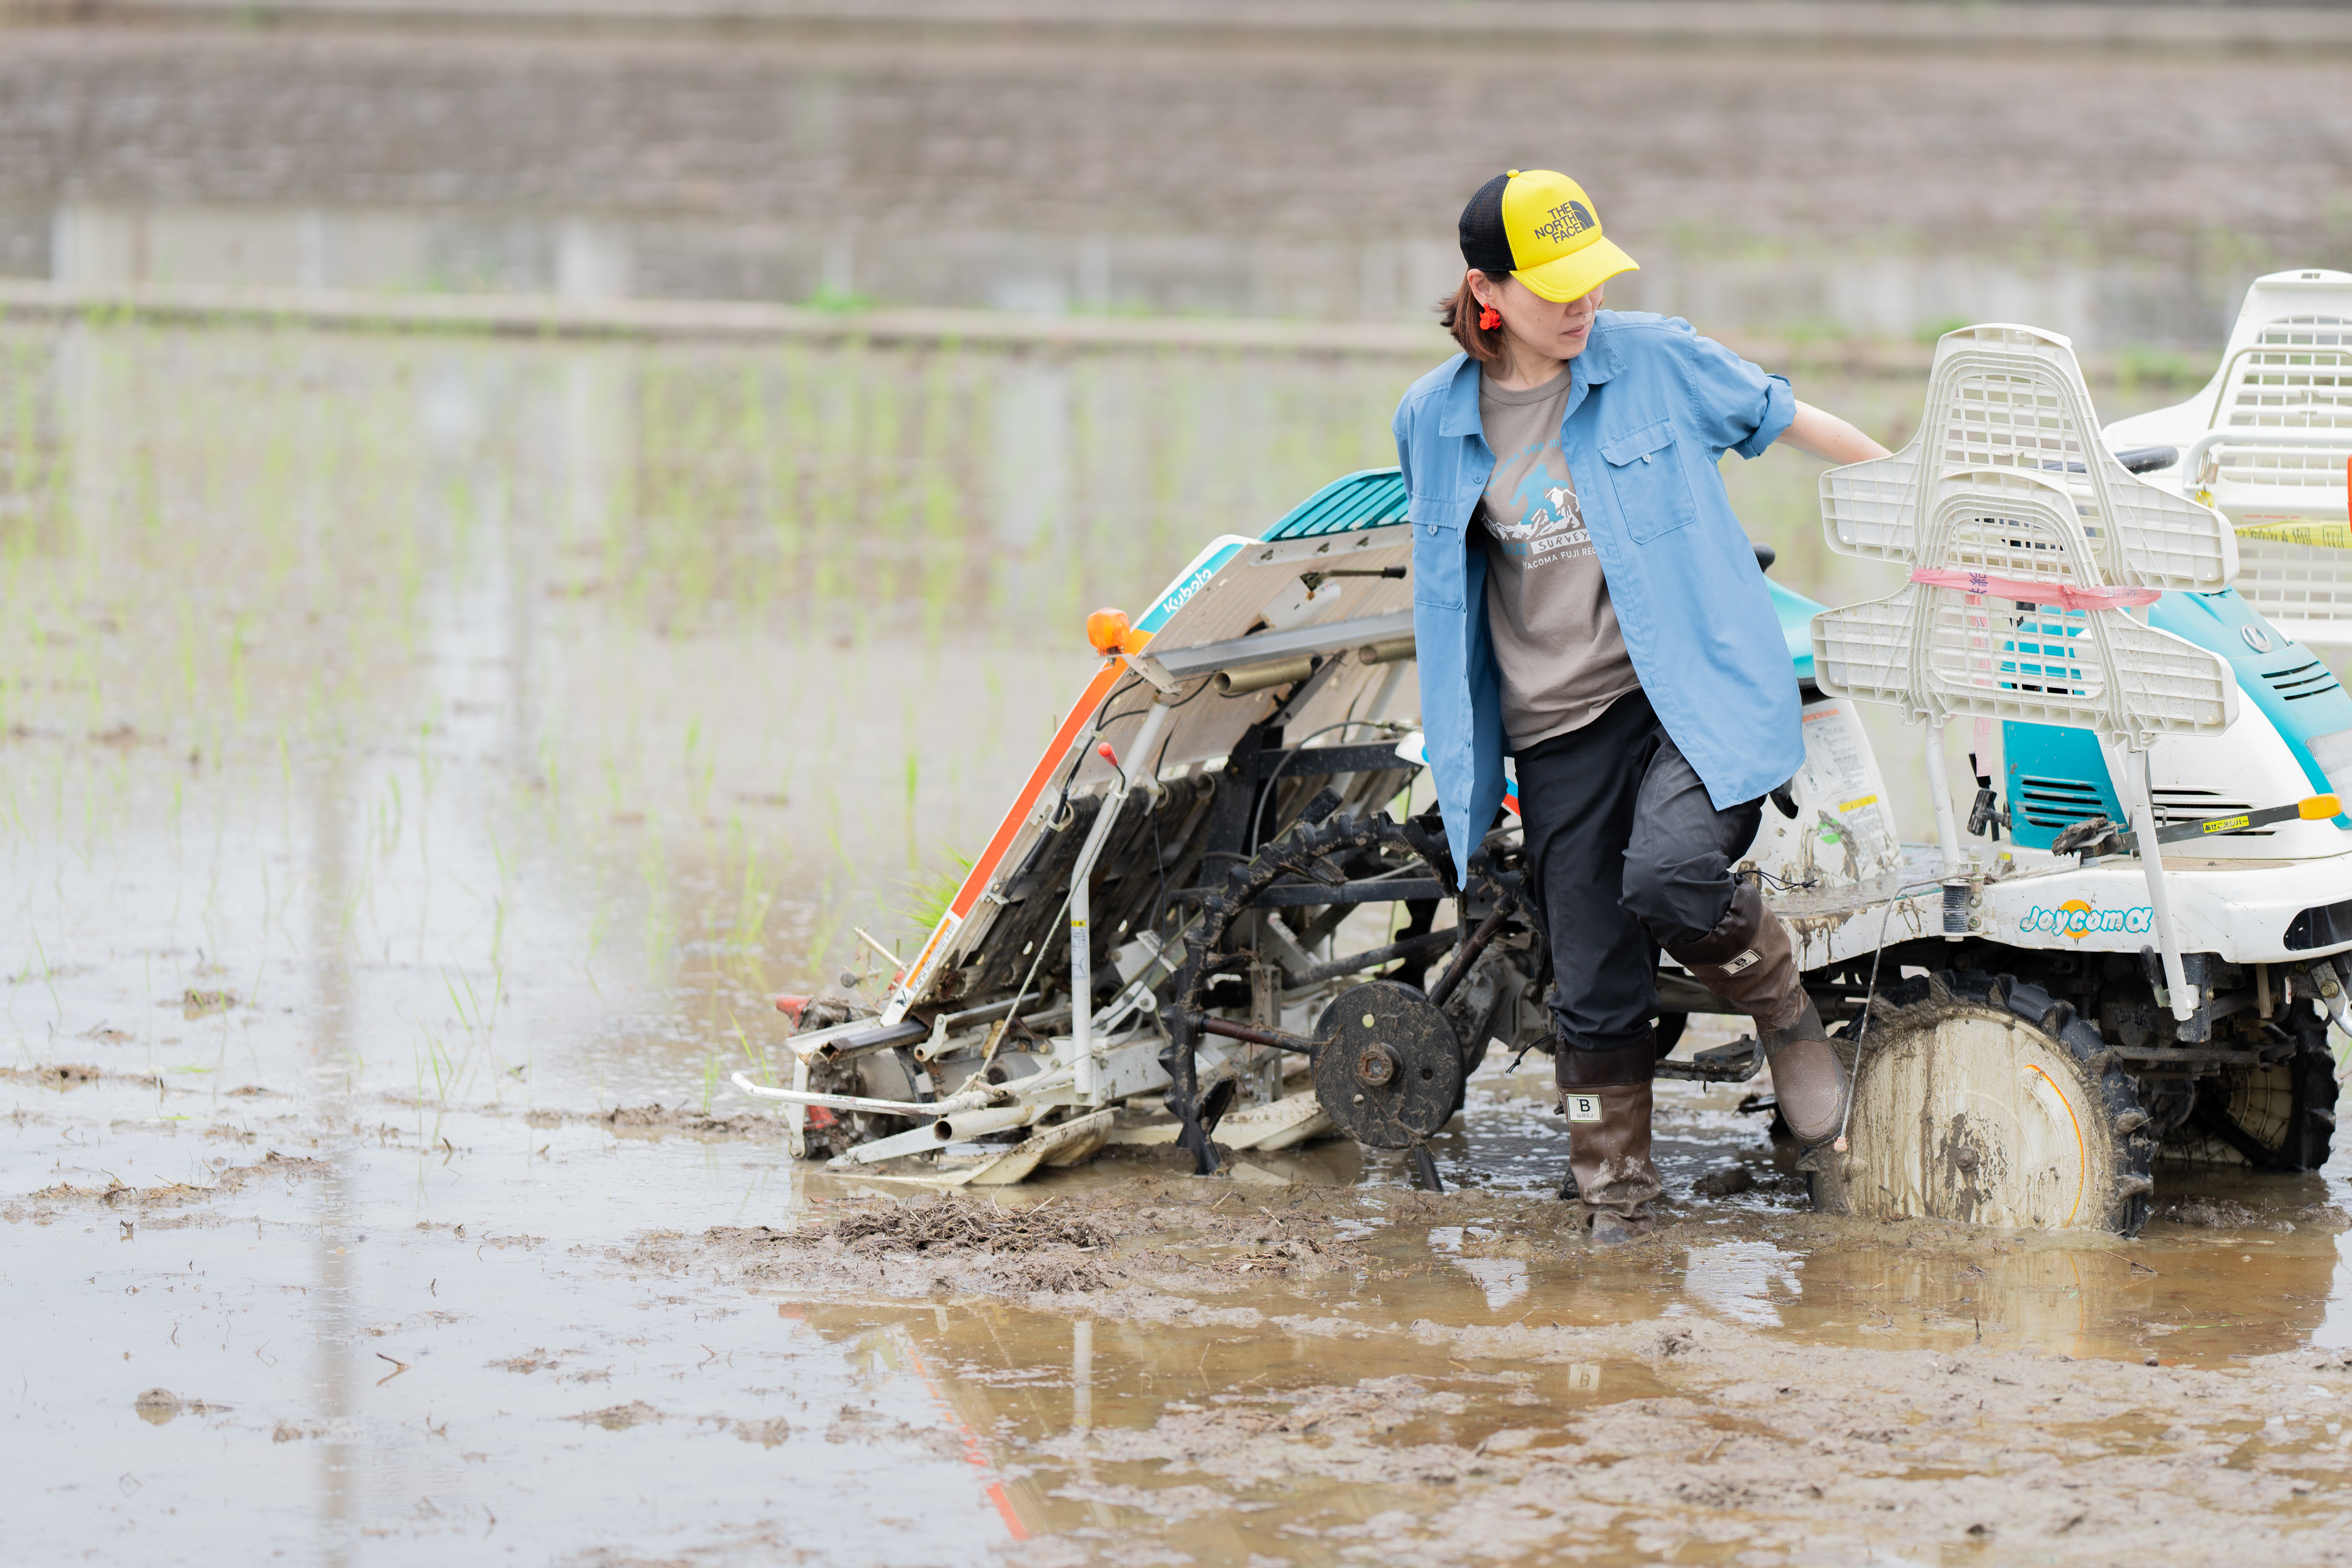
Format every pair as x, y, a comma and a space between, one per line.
1568, 220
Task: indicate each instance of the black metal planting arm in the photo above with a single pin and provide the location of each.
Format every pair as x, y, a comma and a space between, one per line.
1307, 861
1321, 865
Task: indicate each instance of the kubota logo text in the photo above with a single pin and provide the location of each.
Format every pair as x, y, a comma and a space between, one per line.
2078, 920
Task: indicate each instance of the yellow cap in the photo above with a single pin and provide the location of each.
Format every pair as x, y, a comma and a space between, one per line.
1556, 246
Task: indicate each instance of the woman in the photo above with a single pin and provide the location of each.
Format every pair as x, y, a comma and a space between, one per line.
1584, 598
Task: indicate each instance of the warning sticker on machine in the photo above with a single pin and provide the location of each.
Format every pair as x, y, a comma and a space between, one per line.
1841, 789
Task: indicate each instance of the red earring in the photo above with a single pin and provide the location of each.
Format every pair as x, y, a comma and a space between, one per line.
1489, 319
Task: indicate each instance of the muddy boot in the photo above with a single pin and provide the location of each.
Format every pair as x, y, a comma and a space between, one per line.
1607, 1095
1746, 960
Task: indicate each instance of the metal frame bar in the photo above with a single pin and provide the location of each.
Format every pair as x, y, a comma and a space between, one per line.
2192, 463
1080, 1057
1234, 653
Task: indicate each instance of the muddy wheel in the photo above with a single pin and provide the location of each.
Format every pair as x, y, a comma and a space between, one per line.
2281, 1117
1980, 1099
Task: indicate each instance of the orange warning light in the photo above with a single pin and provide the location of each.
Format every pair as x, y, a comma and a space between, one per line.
1109, 631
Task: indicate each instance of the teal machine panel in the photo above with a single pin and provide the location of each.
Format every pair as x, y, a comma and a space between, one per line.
2292, 686
2057, 776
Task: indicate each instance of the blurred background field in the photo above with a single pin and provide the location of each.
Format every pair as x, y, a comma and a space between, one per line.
1812, 188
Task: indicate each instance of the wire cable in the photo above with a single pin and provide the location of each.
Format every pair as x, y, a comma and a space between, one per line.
1870, 997
1291, 755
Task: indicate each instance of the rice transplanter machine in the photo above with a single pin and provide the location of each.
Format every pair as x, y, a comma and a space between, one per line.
1212, 915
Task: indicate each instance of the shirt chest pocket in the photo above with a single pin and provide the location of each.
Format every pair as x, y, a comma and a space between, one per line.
1438, 547
1652, 487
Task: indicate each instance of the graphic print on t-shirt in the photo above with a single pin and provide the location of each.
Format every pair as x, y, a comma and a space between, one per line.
1558, 651
1550, 525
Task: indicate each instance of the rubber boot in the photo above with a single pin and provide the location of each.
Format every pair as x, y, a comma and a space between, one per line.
1746, 960
1607, 1096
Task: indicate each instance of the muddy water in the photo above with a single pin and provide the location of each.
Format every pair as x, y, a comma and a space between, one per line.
419, 757
387, 1339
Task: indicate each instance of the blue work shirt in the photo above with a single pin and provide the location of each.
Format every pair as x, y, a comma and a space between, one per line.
1651, 408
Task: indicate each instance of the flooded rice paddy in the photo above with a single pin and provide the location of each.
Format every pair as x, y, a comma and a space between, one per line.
420, 760
422, 757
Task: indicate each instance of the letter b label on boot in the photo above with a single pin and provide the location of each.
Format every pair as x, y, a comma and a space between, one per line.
1744, 960
1583, 1106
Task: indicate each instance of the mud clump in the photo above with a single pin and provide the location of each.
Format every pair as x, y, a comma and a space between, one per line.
653, 1118
2222, 1214
1279, 1257
195, 1004
767, 1434
948, 1244
866, 1429
69, 1075
118, 1192
1054, 1276
954, 1223
273, 1164
1029, 1250
639, 1116
619, 1417
172, 1194
1674, 1342
1724, 1183
158, 1405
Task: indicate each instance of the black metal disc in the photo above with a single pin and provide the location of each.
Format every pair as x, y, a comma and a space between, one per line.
1388, 1068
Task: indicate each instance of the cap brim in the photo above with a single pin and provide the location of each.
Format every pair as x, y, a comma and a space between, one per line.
1574, 276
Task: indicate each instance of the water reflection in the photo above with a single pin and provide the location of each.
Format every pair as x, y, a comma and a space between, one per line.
1867, 290
620, 680
1739, 1280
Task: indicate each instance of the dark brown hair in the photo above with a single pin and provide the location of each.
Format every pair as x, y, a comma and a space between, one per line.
1458, 313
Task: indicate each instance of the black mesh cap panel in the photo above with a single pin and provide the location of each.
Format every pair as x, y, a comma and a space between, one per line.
1484, 245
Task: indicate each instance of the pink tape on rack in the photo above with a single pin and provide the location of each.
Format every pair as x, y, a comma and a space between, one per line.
2063, 594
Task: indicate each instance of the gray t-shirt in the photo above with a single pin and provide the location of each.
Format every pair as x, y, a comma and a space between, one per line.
1562, 658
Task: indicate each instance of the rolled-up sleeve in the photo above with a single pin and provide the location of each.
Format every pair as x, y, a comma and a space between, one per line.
1736, 406
1403, 449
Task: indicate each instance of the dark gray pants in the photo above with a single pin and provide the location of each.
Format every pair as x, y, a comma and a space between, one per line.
1625, 855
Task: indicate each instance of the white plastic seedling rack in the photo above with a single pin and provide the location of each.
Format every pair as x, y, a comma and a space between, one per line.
2028, 545
2268, 444
2279, 419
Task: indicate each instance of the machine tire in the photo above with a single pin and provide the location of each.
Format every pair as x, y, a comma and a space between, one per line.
1982, 1098
2278, 1118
